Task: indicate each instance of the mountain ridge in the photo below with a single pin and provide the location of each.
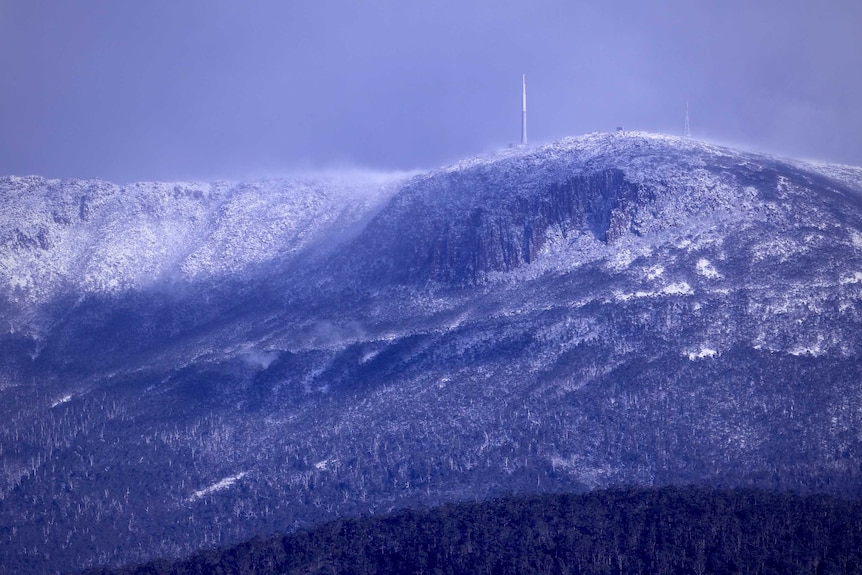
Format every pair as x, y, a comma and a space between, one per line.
614, 309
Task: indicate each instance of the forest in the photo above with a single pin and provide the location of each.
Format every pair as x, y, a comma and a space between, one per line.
670, 530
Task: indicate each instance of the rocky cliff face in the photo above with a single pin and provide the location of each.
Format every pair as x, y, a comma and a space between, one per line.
186, 365
489, 215
497, 226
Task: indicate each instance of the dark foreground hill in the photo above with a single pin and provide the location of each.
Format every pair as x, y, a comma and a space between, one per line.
188, 365
671, 530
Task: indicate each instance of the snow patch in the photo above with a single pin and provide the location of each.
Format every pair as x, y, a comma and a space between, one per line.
703, 353
854, 279
655, 272
218, 486
806, 350
622, 259
65, 399
368, 356
707, 270
680, 288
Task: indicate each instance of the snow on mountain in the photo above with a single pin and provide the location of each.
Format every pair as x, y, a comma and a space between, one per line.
187, 365
647, 188
96, 237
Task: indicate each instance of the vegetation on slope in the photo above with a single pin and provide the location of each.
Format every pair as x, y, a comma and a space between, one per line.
670, 530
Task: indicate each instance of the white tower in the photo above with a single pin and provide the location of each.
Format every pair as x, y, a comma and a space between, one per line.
524, 110
687, 127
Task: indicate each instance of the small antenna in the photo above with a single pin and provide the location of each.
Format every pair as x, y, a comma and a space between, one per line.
687, 126
524, 110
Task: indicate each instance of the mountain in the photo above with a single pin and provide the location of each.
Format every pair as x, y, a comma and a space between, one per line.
189, 365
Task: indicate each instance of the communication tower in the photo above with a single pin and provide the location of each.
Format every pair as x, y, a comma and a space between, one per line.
524, 110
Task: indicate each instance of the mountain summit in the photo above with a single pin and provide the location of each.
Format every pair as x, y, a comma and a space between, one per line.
187, 365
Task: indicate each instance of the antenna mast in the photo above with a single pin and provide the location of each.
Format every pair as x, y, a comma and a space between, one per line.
687, 126
524, 110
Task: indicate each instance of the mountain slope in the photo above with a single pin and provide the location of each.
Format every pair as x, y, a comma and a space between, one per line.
668, 530
610, 309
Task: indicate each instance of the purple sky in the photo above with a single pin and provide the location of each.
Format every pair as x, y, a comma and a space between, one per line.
205, 89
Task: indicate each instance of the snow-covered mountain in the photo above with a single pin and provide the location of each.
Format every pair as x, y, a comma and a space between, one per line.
96, 238
186, 365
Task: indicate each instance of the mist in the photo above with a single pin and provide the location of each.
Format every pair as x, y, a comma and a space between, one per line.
222, 89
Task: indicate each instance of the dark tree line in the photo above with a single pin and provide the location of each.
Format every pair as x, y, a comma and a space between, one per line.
669, 530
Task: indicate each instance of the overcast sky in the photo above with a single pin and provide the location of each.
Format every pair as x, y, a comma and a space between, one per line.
206, 89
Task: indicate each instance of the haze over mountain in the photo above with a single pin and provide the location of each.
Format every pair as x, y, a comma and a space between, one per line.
210, 89
189, 364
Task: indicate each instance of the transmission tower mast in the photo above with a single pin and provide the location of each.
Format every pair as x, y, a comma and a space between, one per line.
524, 110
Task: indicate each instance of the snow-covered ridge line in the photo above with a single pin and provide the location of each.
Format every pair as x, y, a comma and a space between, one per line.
636, 153
92, 236
590, 146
